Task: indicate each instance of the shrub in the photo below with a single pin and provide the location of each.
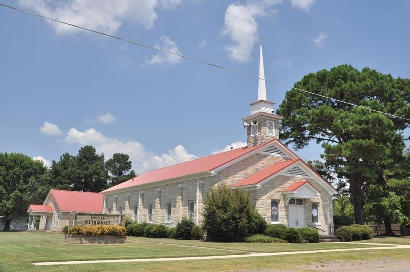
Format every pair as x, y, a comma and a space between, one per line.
345, 233
197, 233
278, 240
159, 231
172, 233
148, 230
366, 232
228, 215
257, 224
184, 229
276, 231
65, 230
310, 235
98, 230
292, 235
259, 238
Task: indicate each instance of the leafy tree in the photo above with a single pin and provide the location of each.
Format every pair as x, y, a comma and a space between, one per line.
359, 144
22, 181
64, 172
119, 169
228, 215
91, 174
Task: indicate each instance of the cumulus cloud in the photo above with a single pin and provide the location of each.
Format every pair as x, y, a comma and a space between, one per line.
161, 58
302, 4
241, 26
142, 160
231, 146
106, 118
320, 39
47, 163
50, 129
102, 15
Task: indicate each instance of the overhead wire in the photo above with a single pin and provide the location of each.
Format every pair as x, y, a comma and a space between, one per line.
390, 10
193, 59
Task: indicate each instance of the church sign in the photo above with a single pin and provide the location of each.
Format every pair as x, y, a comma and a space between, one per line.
96, 219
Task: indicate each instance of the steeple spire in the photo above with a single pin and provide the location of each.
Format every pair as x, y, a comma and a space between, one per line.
261, 83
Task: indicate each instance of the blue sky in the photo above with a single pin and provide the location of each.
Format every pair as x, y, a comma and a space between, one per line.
61, 88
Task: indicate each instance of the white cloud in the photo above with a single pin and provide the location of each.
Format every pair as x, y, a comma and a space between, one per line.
302, 4
102, 15
50, 129
106, 118
160, 58
320, 39
142, 160
241, 26
231, 146
44, 161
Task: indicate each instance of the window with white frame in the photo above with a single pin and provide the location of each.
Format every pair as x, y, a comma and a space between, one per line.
270, 128
169, 211
254, 128
315, 212
150, 212
274, 211
191, 206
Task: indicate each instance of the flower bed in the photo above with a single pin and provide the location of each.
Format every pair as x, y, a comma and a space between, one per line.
98, 234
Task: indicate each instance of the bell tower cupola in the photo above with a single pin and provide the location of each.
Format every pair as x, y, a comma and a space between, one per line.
262, 124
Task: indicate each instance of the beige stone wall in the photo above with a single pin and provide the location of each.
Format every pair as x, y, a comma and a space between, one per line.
272, 190
179, 194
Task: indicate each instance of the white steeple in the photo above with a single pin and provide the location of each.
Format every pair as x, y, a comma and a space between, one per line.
261, 83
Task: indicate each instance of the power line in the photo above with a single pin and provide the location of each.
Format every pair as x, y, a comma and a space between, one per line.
390, 10
193, 59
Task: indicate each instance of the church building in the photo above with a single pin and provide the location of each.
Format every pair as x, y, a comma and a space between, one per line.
282, 187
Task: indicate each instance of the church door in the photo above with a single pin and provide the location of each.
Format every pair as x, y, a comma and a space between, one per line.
296, 213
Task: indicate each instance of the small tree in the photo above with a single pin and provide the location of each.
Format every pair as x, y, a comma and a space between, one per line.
228, 215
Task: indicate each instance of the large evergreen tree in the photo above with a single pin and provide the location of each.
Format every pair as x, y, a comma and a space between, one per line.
359, 144
119, 168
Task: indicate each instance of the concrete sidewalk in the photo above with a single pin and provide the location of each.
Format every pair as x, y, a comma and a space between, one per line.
224, 256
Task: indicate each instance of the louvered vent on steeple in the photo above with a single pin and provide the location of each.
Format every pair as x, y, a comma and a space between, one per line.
296, 171
274, 151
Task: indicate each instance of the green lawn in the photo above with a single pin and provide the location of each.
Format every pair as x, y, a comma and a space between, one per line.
19, 250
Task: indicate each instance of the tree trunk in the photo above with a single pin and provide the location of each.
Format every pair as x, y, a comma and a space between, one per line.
7, 224
358, 201
387, 226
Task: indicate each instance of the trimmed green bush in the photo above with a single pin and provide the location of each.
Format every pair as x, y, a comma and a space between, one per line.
197, 233
276, 231
259, 238
342, 220
292, 235
159, 231
278, 240
148, 230
310, 235
184, 229
366, 232
345, 233
172, 233
228, 215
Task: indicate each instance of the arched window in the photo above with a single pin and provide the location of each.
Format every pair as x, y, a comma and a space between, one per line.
274, 211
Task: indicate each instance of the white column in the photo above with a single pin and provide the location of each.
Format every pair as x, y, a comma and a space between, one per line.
138, 209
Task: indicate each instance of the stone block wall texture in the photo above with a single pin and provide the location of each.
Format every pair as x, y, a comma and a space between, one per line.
180, 193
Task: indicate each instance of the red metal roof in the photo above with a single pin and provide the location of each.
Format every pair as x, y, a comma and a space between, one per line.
74, 201
294, 186
196, 166
40, 208
264, 173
